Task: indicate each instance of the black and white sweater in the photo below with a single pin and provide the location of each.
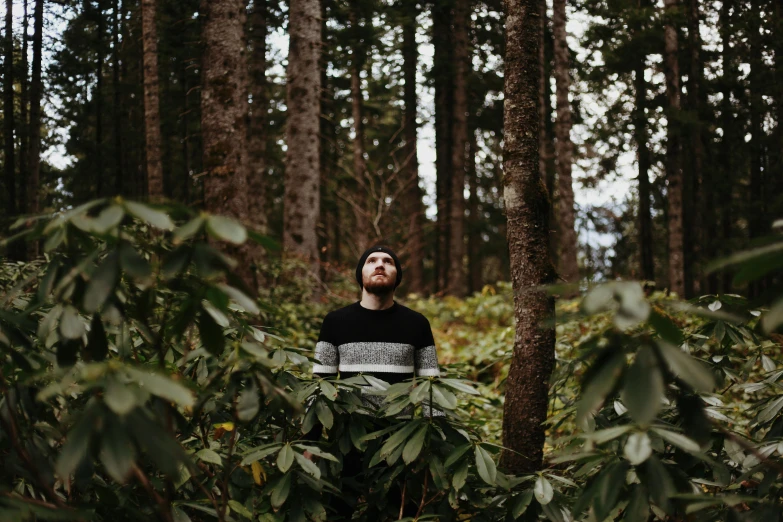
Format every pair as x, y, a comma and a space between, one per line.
392, 344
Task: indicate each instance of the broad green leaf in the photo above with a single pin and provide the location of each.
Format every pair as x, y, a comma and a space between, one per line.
461, 475
485, 465
119, 397
71, 325
456, 454
239, 508
444, 397
638, 448
521, 504
308, 465
666, 328
543, 490
280, 491
154, 217
601, 383
76, 445
603, 436
285, 458
226, 229
643, 389
248, 403
117, 450
745, 256
771, 320
329, 391
108, 218
315, 450
400, 436
240, 298
133, 263
679, 440
460, 385
658, 482
420, 392
188, 230
638, 509
324, 414
162, 386
259, 453
693, 372
208, 455
102, 283
771, 410
414, 445
178, 515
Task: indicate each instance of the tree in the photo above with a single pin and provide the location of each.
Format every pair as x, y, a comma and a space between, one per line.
674, 175
360, 196
9, 146
527, 211
223, 117
36, 92
117, 112
151, 99
257, 208
459, 141
100, 58
567, 266
412, 198
301, 204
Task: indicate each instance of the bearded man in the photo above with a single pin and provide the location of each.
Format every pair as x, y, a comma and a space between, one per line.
376, 336
379, 337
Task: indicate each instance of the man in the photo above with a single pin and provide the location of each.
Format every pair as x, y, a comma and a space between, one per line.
375, 336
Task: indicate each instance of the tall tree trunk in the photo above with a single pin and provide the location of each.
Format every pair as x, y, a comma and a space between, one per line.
475, 271
36, 93
567, 266
257, 126
527, 213
756, 209
100, 188
456, 277
224, 119
692, 217
673, 159
149, 10
777, 170
643, 159
24, 126
362, 218
546, 140
413, 203
8, 112
301, 202
184, 130
728, 143
117, 113
443, 76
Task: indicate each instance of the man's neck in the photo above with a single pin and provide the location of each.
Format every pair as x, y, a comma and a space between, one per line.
376, 302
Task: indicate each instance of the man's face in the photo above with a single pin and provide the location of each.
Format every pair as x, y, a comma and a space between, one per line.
379, 274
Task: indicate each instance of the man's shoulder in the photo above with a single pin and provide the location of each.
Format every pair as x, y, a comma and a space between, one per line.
411, 314
340, 313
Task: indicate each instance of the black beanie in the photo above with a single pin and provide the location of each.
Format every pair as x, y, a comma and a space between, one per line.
385, 250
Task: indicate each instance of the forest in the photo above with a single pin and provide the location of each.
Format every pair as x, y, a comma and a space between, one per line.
586, 198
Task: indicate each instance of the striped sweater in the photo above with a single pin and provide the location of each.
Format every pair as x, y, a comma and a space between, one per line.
392, 344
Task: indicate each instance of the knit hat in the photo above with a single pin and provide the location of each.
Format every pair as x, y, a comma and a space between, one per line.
385, 250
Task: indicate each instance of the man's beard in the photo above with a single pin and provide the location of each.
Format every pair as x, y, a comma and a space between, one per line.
379, 287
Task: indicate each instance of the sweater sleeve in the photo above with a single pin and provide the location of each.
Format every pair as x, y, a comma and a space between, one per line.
426, 357
326, 354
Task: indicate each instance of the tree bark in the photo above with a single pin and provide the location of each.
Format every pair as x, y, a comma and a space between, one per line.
527, 211
9, 144
692, 217
302, 199
673, 160
117, 113
151, 100
546, 141
456, 279
777, 160
24, 126
36, 93
224, 119
475, 271
360, 205
646, 258
724, 185
567, 265
757, 211
415, 207
100, 58
443, 79
257, 126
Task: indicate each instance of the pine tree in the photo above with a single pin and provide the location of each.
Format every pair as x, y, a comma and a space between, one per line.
149, 11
